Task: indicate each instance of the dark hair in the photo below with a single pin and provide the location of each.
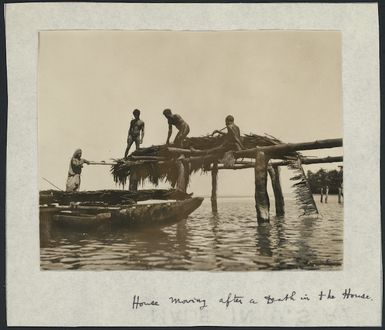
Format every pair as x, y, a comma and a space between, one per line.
229, 118
167, 112
136, 112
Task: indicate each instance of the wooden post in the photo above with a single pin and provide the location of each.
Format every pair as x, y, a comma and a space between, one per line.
326, 194
322, 195
262, 203
274, 173
214, 182
133, 181
186, 168
181, 181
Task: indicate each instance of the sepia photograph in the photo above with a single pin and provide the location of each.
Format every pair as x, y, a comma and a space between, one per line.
190, 150
193, 164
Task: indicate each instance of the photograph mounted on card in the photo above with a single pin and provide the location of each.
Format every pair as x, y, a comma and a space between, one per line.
193, 164
162, 134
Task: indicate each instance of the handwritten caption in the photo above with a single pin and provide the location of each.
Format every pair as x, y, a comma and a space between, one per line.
232, 299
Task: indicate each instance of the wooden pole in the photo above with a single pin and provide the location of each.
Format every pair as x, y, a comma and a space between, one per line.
133, 180
339, 195
326, 194
305, 160
238, 164
274, 173
289, 147
181, 181
147, 158
281, 147
186, 168
322, 195
262, 203
101, 163
214, 183
242, 164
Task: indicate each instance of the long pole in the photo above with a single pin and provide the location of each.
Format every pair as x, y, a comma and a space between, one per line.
242, 164
52, 184
289, 147
101, 163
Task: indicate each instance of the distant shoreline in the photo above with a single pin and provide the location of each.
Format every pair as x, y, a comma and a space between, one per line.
252, 196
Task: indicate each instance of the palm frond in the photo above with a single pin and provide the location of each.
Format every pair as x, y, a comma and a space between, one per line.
303, 196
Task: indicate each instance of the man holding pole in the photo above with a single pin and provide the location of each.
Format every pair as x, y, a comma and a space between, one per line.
233, 136
74, 171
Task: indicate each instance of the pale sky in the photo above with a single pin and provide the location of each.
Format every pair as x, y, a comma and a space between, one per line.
284, 83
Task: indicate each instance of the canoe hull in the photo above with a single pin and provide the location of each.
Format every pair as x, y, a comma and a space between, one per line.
139, 215
161, 214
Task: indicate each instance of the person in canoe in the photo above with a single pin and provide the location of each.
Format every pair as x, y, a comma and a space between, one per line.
135, 132
74, 171
182, 127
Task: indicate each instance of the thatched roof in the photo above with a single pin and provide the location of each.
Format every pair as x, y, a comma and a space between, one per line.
156, 164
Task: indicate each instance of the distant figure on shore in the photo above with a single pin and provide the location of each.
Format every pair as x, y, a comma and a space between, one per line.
74, 171
135, 132
180, 124
233, 135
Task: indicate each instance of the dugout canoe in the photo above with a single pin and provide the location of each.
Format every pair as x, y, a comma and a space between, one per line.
138, 215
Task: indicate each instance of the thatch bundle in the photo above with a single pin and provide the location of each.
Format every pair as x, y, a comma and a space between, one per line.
303, 195
158, 171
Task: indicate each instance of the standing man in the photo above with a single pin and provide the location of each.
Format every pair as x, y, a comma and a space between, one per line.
135, 133
74, 171
180, 124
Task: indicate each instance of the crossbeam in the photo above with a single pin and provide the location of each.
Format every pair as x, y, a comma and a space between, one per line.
306, 161
290, 147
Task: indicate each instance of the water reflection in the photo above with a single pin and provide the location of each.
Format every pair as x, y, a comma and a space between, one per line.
228, 240
263, 239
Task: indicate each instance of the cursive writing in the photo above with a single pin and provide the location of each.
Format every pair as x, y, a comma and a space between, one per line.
231, 299
189, 301
136, 303
347, 294
288, 297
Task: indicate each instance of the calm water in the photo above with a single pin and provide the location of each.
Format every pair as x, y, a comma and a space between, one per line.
231, 240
